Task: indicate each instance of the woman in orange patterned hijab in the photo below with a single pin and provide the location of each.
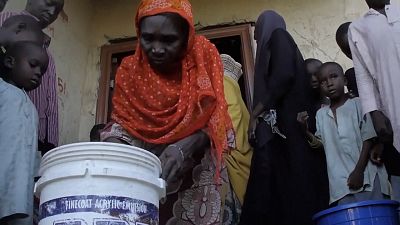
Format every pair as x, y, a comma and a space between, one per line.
169, 99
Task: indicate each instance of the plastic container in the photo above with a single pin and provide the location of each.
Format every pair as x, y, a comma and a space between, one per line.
99, 184
362, 213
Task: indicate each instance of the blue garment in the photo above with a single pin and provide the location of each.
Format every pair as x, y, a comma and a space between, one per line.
343, 141
18, 152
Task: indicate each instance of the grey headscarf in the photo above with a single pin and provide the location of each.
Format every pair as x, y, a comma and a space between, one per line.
266, 24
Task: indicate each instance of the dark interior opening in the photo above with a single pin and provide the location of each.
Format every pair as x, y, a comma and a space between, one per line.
232, 46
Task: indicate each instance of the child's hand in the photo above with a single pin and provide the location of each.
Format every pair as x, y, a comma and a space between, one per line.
302, 118
356, 180
376, 154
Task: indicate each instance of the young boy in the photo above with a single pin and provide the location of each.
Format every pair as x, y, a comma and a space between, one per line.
317, 100
15, 29
347, 138
44, 97
312, 66
23, 64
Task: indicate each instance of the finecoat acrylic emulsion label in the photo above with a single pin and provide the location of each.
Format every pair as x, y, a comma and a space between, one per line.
98, 210
113, 184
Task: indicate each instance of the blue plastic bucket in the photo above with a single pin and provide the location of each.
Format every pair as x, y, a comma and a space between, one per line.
362, 213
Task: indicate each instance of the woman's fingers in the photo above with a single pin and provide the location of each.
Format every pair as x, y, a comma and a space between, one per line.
163, 159
173, 173
171, 163
168, 165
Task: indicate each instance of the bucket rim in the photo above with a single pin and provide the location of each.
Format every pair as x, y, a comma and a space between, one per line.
123, 148
354, 205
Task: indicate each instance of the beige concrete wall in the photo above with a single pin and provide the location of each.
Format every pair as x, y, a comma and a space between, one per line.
312, 23
91, 23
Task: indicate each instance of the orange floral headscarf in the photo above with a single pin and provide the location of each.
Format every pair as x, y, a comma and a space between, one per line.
161, 110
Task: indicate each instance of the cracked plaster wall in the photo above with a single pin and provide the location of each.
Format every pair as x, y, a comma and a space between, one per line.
91, 23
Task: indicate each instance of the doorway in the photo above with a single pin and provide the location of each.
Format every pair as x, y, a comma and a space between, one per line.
234, 40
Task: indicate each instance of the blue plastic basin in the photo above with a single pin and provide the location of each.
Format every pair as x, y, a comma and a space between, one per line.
383, 212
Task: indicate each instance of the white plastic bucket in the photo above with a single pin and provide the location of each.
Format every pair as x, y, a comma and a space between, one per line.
99, 184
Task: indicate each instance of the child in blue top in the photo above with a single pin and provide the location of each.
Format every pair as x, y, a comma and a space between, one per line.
22, 67
347, 137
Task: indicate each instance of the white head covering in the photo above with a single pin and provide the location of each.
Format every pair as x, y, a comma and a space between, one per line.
232, 68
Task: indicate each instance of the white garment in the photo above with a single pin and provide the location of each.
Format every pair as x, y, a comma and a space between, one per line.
375, 45
18, 152
343, 143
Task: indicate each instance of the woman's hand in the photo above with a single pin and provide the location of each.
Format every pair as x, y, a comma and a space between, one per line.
252, 130
173, 157
115, 140
172, 160
257, 111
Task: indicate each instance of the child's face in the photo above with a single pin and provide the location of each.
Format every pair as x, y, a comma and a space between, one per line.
312, 69
332, 82
314, 82
29, 68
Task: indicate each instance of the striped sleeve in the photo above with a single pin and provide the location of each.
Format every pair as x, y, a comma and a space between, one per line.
52, 109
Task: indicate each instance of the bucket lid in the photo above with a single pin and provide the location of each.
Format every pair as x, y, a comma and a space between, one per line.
355, 205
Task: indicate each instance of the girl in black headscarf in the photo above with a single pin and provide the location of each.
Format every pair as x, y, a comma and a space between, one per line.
280, 189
